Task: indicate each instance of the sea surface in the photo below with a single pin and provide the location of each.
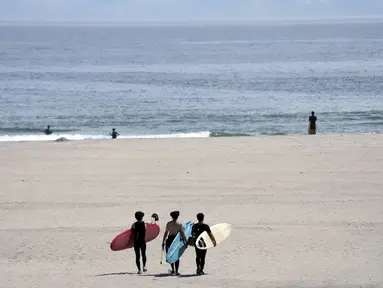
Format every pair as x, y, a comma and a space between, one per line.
189, 80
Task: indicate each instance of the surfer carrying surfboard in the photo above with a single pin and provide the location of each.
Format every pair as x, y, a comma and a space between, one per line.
139, 233
197, 230
171, 231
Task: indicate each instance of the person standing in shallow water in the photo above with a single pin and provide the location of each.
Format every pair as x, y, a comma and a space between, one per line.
197, 230
171, 231
114, 133
312, 124
139, 244
48, 131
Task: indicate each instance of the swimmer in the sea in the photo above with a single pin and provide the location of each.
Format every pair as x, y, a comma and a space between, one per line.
114, 133
312, 124
48, 131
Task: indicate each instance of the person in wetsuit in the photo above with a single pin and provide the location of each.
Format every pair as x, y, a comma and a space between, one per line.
312, 123
139, 233
48, 131
114, 133
172, 229
197, 230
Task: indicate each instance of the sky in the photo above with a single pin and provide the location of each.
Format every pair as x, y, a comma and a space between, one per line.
183, 10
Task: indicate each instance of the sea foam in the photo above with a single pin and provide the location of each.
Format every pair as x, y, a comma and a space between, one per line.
52, 137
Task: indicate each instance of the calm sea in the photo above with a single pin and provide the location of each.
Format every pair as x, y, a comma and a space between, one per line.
190, 81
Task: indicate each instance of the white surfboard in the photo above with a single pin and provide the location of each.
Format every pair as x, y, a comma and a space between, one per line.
220, 232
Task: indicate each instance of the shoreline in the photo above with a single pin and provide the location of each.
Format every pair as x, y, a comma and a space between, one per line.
174, 137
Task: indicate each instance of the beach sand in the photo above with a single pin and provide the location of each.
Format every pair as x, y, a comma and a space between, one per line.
306, 210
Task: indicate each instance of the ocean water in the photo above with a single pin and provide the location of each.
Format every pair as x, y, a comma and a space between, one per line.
189, 80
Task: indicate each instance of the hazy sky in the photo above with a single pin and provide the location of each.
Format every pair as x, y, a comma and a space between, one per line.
178, 10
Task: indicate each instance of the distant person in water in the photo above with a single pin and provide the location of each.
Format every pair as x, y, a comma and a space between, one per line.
197, 230
114, 133
172, 229
48, 131
312, 124
139, 244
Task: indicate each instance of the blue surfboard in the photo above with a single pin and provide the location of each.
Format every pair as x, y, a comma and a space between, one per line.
178, 247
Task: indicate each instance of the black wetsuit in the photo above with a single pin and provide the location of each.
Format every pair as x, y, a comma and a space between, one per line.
139, 230
312, 120
197, 230
114, 135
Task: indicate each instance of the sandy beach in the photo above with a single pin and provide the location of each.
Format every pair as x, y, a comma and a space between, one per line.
306, 210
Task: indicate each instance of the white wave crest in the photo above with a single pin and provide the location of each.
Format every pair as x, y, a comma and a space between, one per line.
28, 138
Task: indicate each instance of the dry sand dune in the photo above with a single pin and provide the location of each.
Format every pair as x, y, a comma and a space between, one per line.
306, 211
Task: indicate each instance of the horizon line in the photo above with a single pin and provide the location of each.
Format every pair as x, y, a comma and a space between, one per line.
207, 21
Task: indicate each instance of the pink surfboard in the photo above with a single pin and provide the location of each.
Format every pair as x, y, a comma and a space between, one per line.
124, 240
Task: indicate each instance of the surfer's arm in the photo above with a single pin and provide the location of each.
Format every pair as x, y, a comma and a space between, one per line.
212, 238
165, 236
183, 234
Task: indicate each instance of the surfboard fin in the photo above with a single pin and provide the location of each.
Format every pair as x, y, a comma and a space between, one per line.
155, 217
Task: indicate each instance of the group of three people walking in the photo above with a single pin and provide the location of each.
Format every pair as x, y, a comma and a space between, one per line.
173, 227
